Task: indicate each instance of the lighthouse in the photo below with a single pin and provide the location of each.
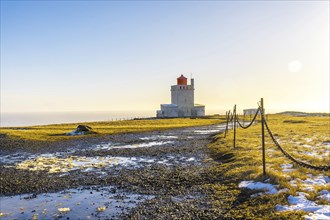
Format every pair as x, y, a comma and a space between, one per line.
182, 101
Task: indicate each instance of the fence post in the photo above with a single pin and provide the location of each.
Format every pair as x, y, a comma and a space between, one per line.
234, 126
227, 119
263, 137
243, 119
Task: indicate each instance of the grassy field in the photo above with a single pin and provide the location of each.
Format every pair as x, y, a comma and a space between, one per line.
58, 132
306, 138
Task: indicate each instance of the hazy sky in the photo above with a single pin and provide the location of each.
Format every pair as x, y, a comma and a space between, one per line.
112, 55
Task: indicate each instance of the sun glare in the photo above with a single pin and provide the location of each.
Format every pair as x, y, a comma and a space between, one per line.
294, 66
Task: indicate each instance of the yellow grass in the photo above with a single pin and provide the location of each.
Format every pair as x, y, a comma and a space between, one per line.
57, 131
299, 136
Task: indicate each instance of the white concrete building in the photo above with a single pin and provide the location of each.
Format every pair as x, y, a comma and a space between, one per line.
251, 111
182, 101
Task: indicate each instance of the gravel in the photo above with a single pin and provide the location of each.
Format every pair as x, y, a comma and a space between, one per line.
177, 188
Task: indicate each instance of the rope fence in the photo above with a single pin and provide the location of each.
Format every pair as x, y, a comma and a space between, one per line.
233, 117
252, 121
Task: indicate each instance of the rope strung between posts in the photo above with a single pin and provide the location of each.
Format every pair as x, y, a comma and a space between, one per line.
254, 118
289, 156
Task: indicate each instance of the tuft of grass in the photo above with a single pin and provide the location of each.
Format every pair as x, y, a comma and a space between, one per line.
58, 132
294, 121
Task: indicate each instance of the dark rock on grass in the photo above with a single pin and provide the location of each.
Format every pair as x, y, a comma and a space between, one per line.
82, 130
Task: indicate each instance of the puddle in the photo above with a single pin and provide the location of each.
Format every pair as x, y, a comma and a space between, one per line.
19, 157
206, 131
88, 164
13, 158
99, 203
108, 146
62, 165
157, 137
148, 144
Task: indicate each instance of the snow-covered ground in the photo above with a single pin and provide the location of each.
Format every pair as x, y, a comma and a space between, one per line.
266, 187
300, 202
315, 209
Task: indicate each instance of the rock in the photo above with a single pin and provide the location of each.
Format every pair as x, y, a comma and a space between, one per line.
81, 130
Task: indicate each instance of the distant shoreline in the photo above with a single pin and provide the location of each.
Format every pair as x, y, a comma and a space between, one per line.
9, 119
46, 118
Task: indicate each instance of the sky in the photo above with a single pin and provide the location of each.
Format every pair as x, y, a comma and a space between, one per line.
125, 55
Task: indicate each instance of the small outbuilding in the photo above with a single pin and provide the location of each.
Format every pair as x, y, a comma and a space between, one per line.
251, 111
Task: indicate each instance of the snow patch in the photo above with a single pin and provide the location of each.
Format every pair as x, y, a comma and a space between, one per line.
318, 180
300, 202
287, 167
313, 154
190, 159
269, 188
324, 194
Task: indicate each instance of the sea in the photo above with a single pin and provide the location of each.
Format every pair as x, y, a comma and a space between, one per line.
44, 118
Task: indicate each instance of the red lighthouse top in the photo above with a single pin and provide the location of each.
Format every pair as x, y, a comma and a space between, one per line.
182, 80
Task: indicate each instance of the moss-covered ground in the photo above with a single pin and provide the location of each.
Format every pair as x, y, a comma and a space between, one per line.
57, 132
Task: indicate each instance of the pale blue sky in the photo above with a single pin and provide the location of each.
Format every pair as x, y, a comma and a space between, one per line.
112, 55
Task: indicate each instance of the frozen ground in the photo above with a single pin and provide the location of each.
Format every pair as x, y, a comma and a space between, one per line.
300, 202
315, 209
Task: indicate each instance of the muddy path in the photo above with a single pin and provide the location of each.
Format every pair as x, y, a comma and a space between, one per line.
158, 174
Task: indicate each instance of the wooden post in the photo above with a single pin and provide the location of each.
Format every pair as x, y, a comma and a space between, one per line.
263, 137
234, 126
227, 119
244, 119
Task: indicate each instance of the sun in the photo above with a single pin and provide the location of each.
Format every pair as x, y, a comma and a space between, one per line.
294, 66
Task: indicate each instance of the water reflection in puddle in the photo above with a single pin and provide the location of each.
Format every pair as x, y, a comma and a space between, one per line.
157, 137
148, 144
108, 146
206, 131
104, 203
19, 157
88, 164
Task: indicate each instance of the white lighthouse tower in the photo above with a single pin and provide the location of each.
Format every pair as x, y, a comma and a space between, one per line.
182, 101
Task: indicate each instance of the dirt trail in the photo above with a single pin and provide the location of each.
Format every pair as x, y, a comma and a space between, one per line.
142, 175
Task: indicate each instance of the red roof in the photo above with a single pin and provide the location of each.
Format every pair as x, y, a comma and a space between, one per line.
182, 80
